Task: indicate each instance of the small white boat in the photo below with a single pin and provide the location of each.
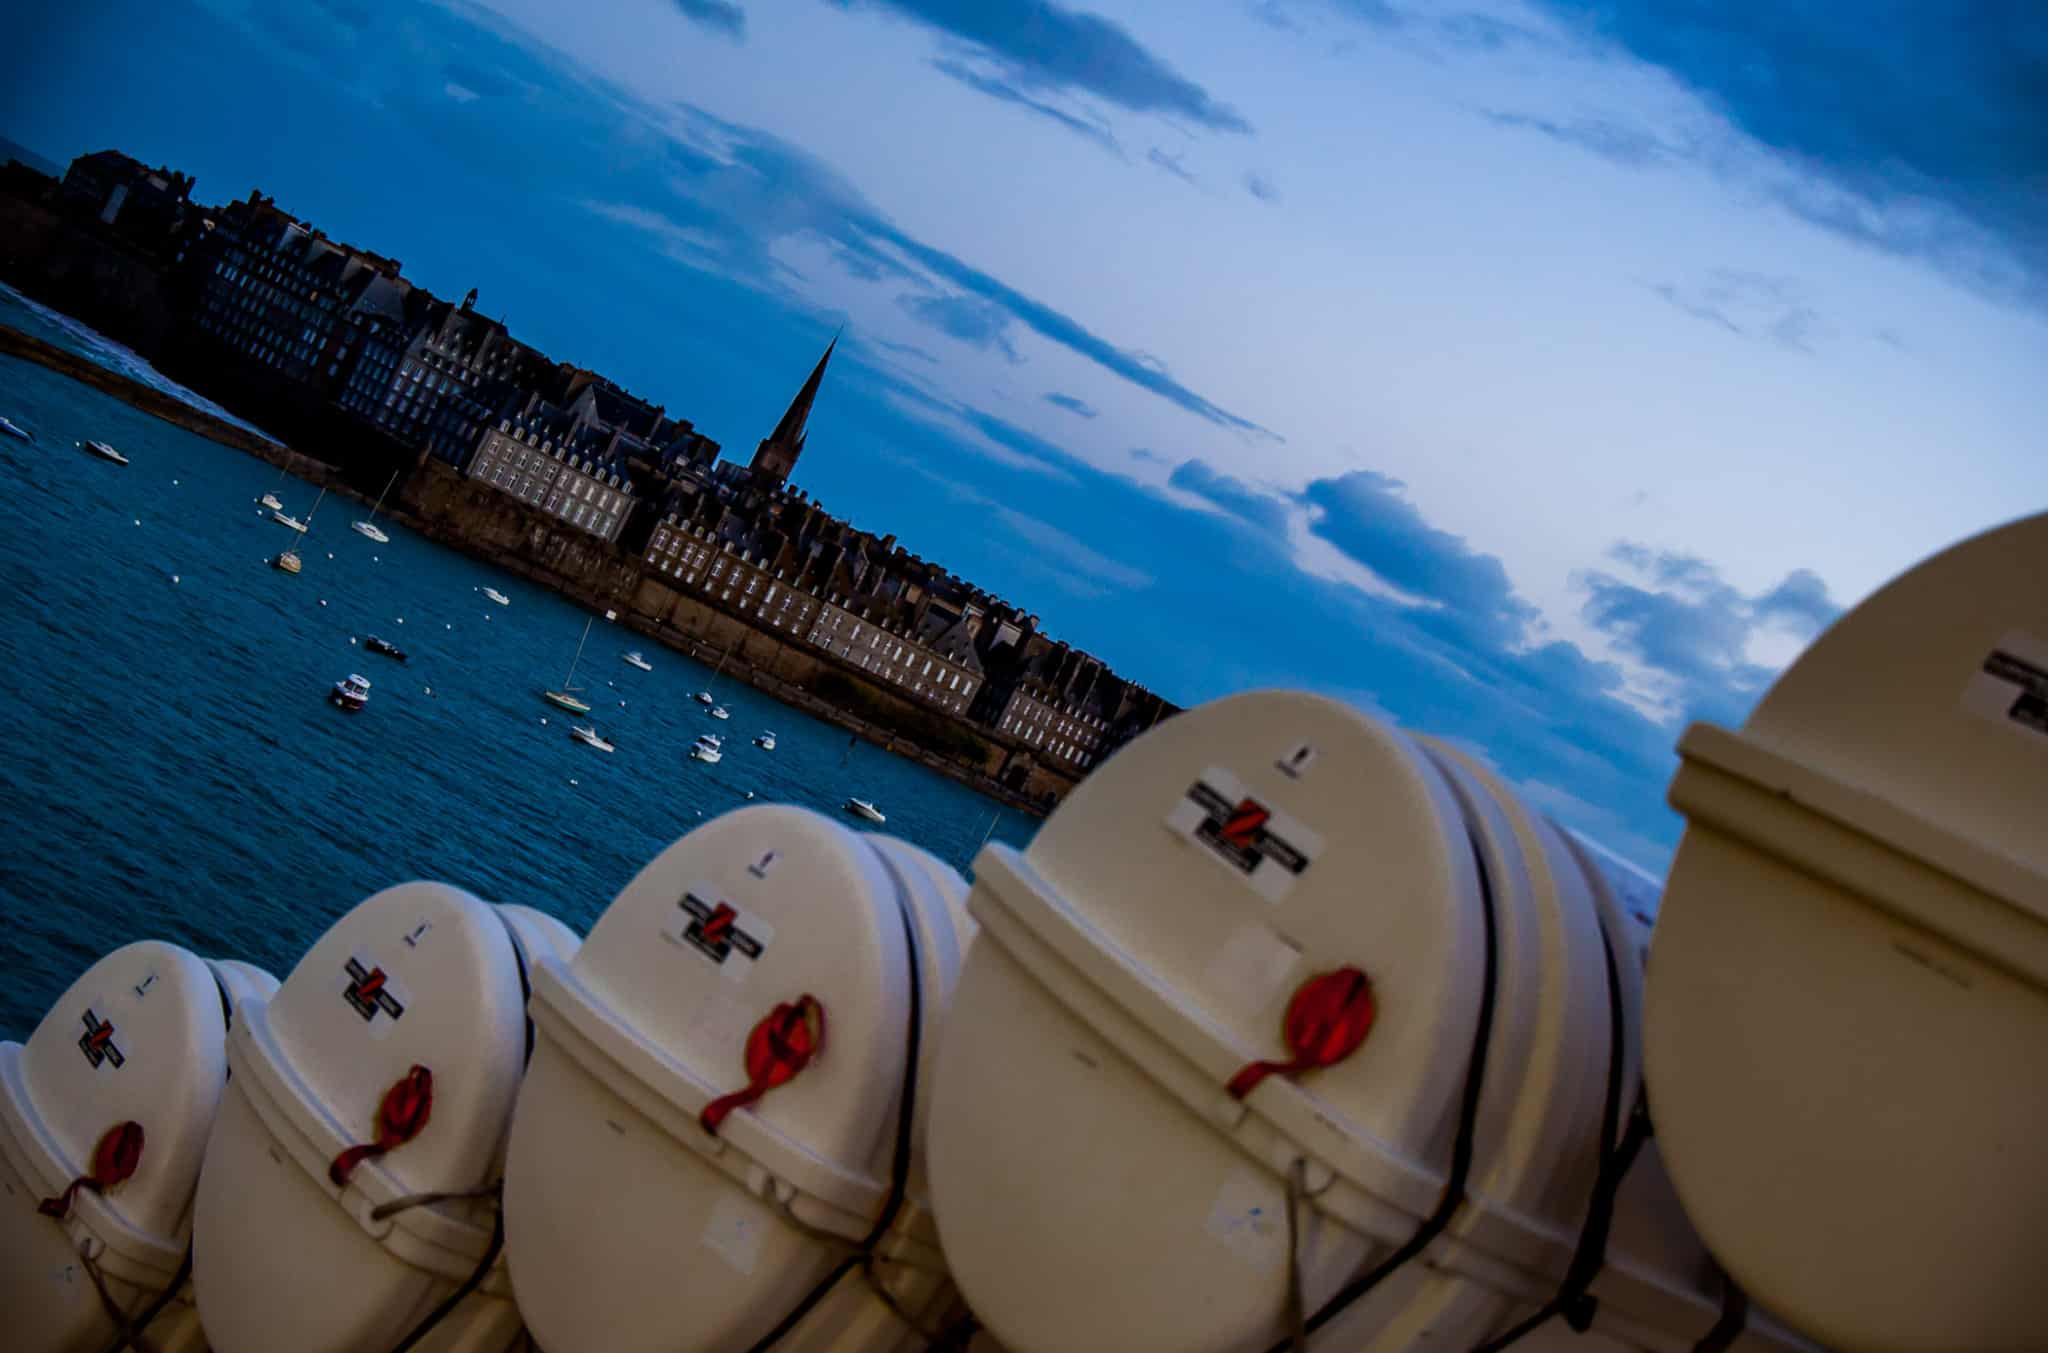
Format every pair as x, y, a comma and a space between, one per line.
634, 659
271, 501
704, 698
562, 698
590, 737
495, 595
720, 712
351, 693
861, 808
104, 452
10, 428
708, 749
287, 561
283, 518
765, 740
368, 526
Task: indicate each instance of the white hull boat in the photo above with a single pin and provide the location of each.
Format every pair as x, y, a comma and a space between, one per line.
368, 526
708, 749
766, 742
564, 698
271, 501
12, 429
861, 808
351, 693
103, 451
720, 712
287, 519
590, 737
495, 595
634, 659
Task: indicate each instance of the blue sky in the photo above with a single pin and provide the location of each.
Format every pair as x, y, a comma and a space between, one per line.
1538, 374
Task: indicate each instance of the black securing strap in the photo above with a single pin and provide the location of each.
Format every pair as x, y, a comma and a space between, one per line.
1734, 1319
1574, 1299
1453, 1195
863, 1254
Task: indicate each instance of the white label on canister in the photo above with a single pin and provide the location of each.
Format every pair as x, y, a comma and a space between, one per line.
373, 994
1252, 968
1249, 1218
715, 929
99, 1041
1245, 834
2011, 685
735, 1230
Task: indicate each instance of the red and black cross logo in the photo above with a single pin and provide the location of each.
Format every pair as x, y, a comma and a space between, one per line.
1240, 831
97, 1043
369, 991
714, 930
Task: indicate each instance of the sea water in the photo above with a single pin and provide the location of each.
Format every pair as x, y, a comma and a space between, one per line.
171, 767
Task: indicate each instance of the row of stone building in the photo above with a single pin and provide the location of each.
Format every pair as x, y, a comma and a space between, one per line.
343, 325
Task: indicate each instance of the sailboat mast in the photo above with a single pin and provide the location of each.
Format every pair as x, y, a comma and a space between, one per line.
378, 505
568, 680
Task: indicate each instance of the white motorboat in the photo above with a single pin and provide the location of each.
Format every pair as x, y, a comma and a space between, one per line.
861, 808
720, 712
565, 698
368, 526
634, 659
287, 561
271, 501
765, 740
590, 737
708, 749
495, 595
103, 451
351, 693
283, 518
10, 428
704, 698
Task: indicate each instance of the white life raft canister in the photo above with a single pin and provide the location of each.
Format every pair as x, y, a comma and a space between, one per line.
713, 1121
384, 1068
1281, 1000
103, 1120
1847, 1008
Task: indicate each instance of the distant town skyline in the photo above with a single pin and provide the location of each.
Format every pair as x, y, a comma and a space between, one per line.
1540, 375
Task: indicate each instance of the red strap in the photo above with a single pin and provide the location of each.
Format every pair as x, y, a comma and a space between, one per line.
400, 1117
1328, 1018
780, 1046
115, 1158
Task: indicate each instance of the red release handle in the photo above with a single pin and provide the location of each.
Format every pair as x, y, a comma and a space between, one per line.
116, 1158
781, 1045
1328, 1018
401, 1116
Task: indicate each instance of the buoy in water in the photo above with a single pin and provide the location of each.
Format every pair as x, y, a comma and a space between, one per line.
447, 627
323, 601
351, 641
330, 554
572, 779
138, 521
401, 620
174, 577
543, 723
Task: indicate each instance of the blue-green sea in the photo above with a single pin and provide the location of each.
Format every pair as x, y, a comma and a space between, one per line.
170, 766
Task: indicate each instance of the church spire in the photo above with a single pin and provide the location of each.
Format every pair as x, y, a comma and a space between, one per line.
776, 456
791, 431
